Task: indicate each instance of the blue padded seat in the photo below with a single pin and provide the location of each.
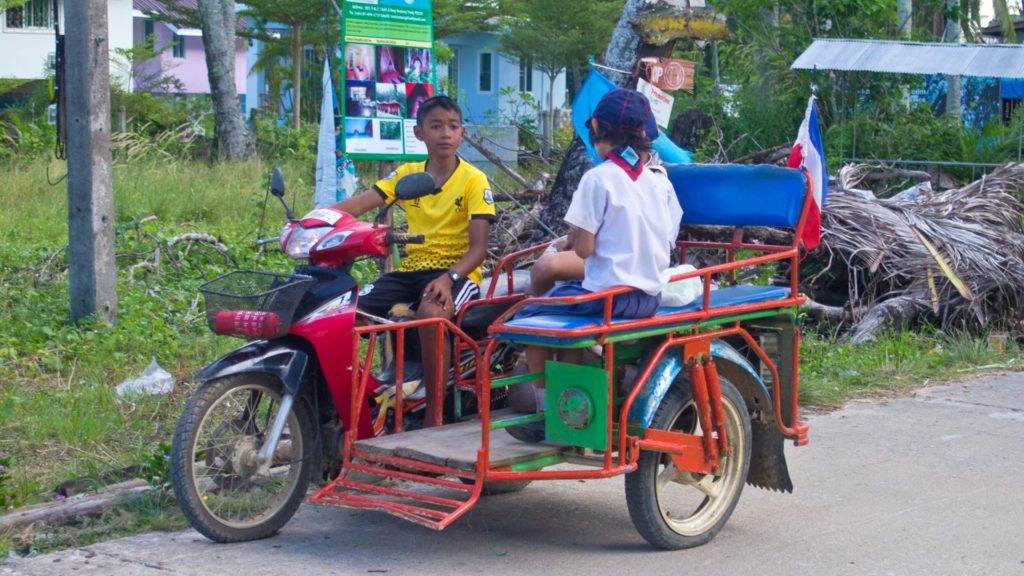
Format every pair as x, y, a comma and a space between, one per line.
731, 296
738, 195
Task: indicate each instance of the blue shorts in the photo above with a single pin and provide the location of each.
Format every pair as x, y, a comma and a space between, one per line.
633, 304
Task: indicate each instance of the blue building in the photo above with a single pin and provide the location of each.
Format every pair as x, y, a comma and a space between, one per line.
478, 73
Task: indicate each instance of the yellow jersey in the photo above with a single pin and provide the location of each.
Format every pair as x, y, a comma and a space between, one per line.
442, 218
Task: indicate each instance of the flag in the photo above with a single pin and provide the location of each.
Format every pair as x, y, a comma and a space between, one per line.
593, 88
809, 153
326, 173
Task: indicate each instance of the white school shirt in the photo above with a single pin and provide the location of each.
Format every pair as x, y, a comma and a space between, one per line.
635, 225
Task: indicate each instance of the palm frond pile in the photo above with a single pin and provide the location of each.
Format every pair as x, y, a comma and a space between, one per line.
957, 255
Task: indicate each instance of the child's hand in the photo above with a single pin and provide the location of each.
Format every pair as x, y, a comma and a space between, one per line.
439, 293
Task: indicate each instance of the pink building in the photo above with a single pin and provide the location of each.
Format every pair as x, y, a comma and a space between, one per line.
182, 57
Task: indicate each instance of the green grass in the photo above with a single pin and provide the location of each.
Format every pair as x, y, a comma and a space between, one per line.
832, 372
59, 416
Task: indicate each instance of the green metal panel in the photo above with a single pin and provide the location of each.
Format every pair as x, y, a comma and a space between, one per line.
577, 405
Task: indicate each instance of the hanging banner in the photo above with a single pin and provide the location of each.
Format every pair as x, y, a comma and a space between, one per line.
388, 71
661, 102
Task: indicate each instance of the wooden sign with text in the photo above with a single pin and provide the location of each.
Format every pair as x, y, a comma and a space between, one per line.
669, 74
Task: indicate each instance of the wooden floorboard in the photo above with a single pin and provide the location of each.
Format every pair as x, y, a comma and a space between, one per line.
456, 445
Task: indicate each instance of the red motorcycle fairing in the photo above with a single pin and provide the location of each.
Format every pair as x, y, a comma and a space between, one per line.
350, 238
329, 329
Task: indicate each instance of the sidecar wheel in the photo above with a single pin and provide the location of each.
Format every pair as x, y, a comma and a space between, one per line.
674, 509
213, 467
496, 488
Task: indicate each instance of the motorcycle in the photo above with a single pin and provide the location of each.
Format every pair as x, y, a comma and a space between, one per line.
271, 415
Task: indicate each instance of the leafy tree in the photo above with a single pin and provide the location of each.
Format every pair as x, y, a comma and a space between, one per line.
554, 35
300, 16
455, 16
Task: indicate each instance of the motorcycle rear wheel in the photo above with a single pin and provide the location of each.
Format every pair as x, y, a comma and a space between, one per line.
213, 459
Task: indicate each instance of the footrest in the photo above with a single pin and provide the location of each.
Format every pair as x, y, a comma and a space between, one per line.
415, 495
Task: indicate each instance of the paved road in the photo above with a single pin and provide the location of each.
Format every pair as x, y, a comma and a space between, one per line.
930, 484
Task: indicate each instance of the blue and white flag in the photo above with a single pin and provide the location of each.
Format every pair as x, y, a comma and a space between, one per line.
326, 173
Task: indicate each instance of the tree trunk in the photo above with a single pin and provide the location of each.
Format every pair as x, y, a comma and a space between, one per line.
953, 33
621, 54
549, 122
217, 19
904, 18
893, 314
296, 75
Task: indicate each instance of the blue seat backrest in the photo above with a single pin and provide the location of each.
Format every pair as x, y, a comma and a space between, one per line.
738, 195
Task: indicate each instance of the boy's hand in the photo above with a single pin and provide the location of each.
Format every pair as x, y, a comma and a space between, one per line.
439, 293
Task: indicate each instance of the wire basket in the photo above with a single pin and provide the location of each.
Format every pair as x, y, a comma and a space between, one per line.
251, 304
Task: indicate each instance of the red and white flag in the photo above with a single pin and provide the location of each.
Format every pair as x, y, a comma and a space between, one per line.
809, 153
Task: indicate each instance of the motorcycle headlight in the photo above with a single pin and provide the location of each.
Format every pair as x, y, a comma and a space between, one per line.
334, 240
303, 239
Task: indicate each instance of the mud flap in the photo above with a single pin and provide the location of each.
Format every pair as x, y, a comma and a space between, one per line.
768, 467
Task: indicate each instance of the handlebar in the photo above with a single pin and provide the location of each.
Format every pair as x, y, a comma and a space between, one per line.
263, 241
400, 238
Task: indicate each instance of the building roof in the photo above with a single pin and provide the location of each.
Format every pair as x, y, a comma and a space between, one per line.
144, 7
159, 7
996, 28
984, 60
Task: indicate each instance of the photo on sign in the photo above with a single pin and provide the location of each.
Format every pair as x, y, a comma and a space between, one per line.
359, 98
358, 128
390, 130
389, 64
391, 100
359, 62
418, 65
416, 95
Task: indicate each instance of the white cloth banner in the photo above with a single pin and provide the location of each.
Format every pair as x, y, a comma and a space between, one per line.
326, 172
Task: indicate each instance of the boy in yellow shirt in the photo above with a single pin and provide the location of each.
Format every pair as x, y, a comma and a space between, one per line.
443, 273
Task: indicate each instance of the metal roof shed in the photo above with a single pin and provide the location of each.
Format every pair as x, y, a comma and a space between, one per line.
985, 60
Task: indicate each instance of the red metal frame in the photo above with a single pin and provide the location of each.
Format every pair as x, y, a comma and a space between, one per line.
688, 451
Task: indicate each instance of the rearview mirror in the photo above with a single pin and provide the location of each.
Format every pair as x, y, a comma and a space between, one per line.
277, 183
416, 185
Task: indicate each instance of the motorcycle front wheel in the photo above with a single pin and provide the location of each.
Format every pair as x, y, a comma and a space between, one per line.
214, 468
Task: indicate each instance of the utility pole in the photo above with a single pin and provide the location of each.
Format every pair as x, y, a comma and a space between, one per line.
93, 272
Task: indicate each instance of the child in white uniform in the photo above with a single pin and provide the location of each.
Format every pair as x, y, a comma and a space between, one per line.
624, 219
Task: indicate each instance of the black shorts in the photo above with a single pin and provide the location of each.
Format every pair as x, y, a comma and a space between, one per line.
407, 287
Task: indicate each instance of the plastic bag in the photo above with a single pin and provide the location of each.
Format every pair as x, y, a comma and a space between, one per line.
154, 381
681, 292
913, 193
347, 180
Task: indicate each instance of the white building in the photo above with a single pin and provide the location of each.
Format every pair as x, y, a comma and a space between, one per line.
27, 40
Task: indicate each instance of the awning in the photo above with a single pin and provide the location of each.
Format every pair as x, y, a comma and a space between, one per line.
985, 60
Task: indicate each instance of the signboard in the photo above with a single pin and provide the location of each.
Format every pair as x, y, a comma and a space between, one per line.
661, 103
669, 73
387, 70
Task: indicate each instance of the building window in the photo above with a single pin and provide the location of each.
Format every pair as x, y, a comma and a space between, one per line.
526, 75
179, 46
147, 29
485, 71
32, 15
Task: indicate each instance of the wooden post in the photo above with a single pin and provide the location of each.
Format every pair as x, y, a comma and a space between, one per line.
93, 272
384, 167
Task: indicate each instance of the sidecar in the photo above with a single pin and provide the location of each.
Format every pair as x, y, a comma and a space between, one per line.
690, 404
